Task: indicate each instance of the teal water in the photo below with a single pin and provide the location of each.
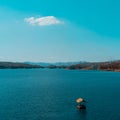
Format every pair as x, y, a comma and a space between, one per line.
50, 94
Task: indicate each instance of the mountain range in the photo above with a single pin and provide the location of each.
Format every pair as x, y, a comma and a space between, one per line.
46, 64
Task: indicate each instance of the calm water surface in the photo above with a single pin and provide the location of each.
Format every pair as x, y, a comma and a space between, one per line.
44, 94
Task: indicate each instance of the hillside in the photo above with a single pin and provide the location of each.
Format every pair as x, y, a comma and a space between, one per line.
108, 66
15, 65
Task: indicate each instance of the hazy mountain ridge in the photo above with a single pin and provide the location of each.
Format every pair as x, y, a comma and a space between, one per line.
45, 64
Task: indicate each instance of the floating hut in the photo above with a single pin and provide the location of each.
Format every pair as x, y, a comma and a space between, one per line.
81, 103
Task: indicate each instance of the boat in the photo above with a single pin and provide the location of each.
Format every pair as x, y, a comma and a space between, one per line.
82, 103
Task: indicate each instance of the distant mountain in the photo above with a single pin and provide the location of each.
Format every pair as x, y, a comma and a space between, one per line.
38, 63
15, 65
54, 64
68, 63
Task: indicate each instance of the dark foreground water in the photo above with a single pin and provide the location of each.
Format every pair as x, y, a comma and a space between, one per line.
44, 94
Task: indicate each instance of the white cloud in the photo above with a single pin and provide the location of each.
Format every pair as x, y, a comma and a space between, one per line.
43, 21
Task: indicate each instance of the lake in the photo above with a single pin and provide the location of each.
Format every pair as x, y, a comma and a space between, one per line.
50, 94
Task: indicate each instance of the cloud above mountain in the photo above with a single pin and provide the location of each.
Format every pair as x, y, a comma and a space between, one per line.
43, 21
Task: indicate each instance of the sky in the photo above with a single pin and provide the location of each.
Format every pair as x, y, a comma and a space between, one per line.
59, 30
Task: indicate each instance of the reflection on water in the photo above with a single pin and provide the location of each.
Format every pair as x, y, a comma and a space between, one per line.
82, 114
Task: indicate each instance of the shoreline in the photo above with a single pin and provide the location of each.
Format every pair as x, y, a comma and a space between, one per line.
102, 66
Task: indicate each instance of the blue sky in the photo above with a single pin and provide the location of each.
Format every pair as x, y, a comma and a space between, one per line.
55, 31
